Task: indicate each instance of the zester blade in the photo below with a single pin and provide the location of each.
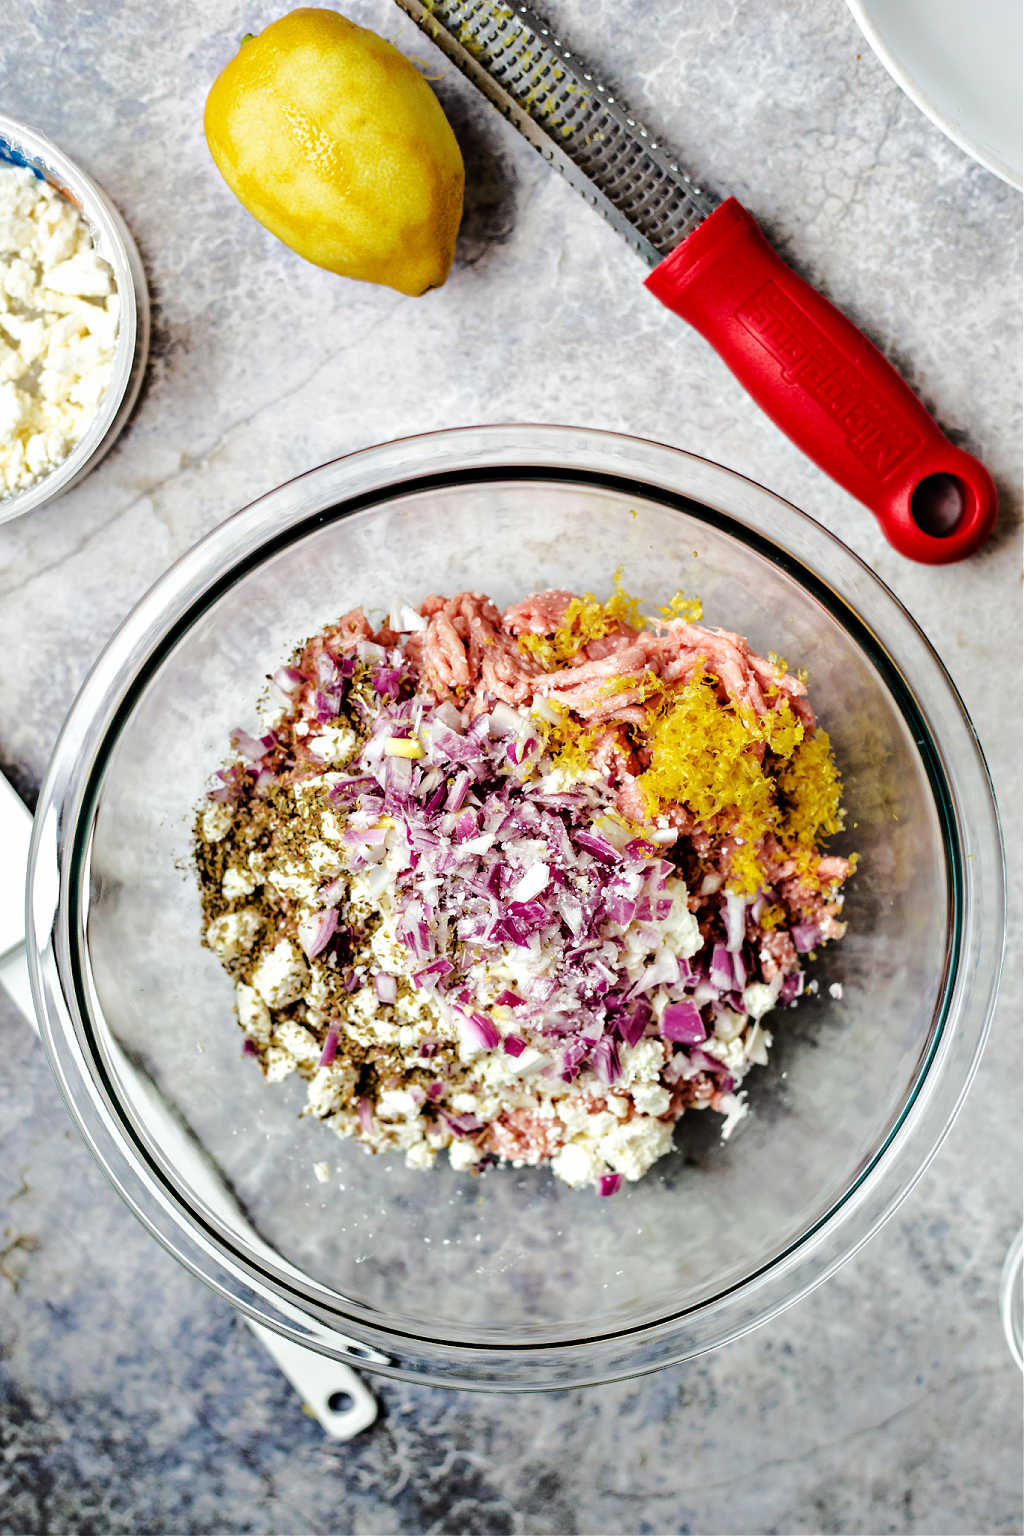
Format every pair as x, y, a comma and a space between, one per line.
556, 102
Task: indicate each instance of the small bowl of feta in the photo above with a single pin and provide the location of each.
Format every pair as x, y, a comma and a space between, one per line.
74, 321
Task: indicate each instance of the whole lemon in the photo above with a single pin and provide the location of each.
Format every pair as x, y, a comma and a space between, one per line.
334, 141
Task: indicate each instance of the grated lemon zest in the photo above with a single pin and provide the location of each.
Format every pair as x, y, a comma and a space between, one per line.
682, 607
751, 776
586, 619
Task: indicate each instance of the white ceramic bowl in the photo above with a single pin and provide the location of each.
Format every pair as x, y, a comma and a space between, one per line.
21, 145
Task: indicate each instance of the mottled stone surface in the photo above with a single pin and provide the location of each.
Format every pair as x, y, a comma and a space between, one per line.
130, 1398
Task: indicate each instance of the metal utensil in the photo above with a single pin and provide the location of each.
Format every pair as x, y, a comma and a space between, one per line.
339, 1398
813, 372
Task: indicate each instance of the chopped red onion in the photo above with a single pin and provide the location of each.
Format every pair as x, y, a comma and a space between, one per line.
465, 1124
735, 913
432, 972
386, 987
604, 1059
513, 1045
722, 974
573, 1056
805, 936
632, 1025
331, 1044
682, 1022
327, 924
249, 1047
387, 682
365, 1113
704, 1062
598, 847
333, 893
245, 745
371, 836
621, 910
288, 679
609, 1184
792, 987
508, 999
458, 791
483, 1030
263, 780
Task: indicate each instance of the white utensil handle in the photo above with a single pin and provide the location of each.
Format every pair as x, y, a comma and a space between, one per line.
334, 1393
331, 1390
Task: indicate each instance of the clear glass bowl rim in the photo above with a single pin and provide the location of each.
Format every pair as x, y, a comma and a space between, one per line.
56, 936
132, 350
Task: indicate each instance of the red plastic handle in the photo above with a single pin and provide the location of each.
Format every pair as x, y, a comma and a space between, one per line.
827, 387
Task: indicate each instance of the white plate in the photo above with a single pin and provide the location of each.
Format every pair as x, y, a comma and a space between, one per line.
960, 62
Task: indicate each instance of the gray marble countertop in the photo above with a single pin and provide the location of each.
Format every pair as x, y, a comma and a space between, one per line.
132, 1399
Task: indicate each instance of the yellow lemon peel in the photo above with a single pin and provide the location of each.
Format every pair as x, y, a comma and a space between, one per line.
586, 619
744, 776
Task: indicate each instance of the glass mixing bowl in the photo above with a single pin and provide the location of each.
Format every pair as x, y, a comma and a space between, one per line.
512, 1280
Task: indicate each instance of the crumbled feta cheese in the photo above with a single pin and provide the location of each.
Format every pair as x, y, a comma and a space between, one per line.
463, 1155
635, 1144
277, 1064
292, 880
577, 1164
237, 882
642, 1062
330, 1088
735, 1110
233, 934
331, 827
679, 931
731, 1052
216, 821
300, 1044
729, 1025
253, 1013
396, 1104
759, 997
758, 1043
324, 860
84, 274
651, 1098
334, 744
280, 974
58, 326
